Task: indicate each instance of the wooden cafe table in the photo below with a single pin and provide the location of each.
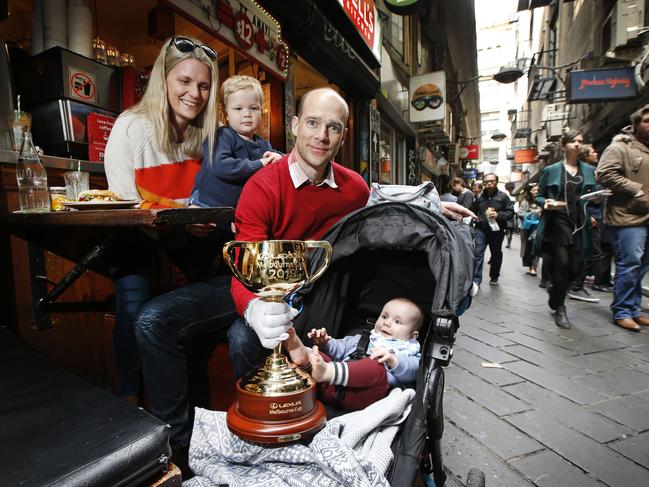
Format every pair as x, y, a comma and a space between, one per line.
71, 233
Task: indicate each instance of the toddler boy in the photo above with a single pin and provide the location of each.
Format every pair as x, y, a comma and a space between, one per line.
239, 152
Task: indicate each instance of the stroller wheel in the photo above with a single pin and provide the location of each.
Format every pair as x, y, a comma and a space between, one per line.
475, 478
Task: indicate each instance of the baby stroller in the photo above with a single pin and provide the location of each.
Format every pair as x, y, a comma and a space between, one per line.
390, 250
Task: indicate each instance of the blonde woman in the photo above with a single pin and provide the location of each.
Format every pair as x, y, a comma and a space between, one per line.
155, 148
153, 154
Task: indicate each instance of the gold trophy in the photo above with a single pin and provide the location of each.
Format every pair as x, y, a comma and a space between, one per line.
277, 402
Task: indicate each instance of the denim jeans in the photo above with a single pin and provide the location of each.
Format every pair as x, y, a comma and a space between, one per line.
246, 352
161, 326
131, 292
631, 264
495, 242
131, 272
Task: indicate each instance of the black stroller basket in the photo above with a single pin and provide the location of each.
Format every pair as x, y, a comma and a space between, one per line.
386, 251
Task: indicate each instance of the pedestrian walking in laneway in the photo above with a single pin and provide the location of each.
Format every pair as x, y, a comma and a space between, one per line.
577, 290
529, 213
564, 229
624, 169
494, 209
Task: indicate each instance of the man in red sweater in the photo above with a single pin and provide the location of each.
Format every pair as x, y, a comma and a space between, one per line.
297, 198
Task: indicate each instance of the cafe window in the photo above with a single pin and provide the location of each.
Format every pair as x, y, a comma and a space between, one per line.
392, 164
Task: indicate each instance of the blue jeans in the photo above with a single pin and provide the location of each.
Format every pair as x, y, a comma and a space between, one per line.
246, 352
631, 264
131, 292
494, 240
161, 326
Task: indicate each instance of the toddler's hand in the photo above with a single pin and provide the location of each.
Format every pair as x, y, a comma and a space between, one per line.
385, 356
319, 337
269, 157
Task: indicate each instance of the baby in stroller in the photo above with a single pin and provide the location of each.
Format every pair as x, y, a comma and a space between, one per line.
352, 374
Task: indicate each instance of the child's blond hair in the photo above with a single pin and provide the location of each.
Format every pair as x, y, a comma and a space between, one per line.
240, 82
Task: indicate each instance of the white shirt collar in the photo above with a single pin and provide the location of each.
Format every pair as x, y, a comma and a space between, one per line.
299, 178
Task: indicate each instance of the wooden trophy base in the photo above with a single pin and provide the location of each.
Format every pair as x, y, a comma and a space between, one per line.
278, 418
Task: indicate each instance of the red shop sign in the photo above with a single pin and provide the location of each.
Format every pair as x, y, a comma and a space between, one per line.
469, 152
99, 127
526, 156
361, 13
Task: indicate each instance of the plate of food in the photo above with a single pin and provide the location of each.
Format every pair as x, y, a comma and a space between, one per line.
99, 199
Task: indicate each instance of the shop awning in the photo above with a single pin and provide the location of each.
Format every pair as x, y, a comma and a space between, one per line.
327, 45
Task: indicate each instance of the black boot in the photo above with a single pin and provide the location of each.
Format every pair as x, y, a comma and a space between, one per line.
561, 318
552, 300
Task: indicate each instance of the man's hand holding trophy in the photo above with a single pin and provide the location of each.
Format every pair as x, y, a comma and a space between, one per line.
277, 402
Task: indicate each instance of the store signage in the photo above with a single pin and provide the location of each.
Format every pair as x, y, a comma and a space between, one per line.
515, 176
591, 85
469, 152
242, 24
471, 173
375, 142
99, 127
364, 15
82, 85
402, 7
428, 97
526, 156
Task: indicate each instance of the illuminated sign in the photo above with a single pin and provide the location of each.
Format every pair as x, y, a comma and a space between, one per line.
365, 17
242, 24
590, 85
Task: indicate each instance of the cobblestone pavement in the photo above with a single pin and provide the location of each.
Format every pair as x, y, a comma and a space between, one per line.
567, 408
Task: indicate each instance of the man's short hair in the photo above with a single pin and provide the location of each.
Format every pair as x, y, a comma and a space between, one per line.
490, 174
636, 117
300, 106
585, 151
459, 181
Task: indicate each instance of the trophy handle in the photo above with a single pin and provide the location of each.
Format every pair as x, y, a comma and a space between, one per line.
228, 257
327, 258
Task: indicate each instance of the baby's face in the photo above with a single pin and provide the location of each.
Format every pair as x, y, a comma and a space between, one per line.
243, 110
398, 320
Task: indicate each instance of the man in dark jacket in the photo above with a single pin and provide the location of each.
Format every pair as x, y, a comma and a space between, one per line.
624, 169
494, 209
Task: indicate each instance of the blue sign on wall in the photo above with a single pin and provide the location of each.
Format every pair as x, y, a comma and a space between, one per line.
590, 85
469, 173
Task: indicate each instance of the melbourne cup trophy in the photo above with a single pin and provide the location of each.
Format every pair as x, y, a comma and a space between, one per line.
277, 402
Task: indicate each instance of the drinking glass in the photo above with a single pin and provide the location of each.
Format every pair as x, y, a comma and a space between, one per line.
75, 183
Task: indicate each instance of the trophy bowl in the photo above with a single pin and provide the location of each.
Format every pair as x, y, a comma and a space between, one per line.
276, 403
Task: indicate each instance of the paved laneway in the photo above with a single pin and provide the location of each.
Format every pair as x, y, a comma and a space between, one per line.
567, 408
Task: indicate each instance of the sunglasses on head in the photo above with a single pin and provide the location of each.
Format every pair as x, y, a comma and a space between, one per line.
432, 101
187, 45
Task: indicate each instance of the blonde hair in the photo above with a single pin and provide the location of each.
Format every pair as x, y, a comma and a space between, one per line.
240, 82
154, 105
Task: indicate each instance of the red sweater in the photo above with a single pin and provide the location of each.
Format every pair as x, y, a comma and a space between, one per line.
271, 208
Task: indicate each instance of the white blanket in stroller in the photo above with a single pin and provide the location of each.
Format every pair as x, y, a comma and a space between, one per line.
351, 450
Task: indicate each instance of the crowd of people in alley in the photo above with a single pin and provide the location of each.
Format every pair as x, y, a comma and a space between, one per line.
579, 216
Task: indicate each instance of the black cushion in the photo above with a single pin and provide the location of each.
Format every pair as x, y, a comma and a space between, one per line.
56, 429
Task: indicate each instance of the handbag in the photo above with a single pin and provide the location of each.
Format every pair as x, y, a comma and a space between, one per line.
423, 195
530, 220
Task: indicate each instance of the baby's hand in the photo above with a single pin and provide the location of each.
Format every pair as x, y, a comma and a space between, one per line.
319, 337
385, 356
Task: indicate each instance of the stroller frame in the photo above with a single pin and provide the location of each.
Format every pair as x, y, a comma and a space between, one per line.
447, 249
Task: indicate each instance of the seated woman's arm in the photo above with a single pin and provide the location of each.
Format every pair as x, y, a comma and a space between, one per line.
119, 161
